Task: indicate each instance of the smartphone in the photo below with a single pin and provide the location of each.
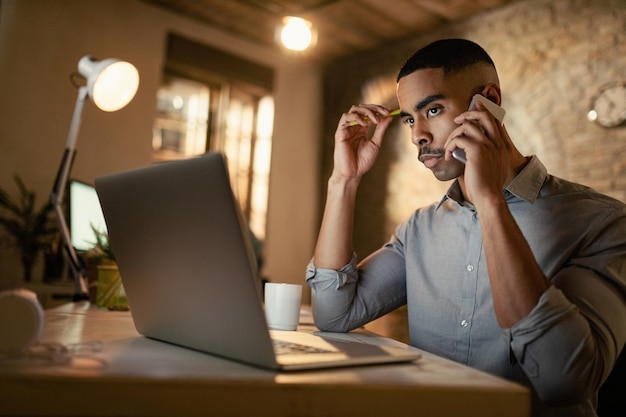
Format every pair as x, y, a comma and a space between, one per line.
497, 112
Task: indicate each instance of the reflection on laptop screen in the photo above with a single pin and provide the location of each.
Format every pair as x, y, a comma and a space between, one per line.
84, 211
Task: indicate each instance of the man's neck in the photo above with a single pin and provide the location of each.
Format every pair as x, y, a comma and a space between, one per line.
515, 168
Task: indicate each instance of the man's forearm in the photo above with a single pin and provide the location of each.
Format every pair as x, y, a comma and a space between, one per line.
334, 244
516, 279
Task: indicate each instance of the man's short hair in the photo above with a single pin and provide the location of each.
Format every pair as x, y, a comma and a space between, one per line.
451, 55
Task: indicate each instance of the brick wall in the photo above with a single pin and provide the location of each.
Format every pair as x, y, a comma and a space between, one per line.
552, 56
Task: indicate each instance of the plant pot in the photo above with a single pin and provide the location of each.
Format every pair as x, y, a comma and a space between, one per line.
110, 293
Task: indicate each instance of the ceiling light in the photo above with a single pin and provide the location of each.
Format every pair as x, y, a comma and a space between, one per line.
296, 33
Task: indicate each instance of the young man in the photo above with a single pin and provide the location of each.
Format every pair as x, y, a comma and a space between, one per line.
514, 272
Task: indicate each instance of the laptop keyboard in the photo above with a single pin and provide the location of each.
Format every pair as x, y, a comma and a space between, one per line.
283, 348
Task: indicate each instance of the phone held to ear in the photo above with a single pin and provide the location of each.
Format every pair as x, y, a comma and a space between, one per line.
497, 112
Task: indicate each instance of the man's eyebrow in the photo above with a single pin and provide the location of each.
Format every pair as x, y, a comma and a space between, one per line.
423, 103
426, 101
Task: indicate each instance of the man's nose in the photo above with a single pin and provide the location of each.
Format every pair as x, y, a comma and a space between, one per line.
419, 136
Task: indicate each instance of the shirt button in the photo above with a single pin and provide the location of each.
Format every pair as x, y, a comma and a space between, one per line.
464, 323
469, 268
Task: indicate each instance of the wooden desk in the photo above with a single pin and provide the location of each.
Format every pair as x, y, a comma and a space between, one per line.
135, 376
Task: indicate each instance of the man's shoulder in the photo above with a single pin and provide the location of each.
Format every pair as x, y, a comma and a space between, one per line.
559, 188
572, 201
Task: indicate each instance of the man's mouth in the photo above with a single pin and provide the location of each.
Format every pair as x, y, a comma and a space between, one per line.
430, 157
430, 161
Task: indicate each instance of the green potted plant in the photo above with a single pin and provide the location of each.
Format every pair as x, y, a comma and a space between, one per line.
28, 228
101, 260
101, 252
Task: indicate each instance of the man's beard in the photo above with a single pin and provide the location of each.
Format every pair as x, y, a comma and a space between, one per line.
431, 151
448, 171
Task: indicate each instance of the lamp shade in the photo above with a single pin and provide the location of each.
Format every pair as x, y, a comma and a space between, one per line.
111, 83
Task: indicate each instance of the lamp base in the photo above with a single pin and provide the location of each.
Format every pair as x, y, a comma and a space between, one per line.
80, 297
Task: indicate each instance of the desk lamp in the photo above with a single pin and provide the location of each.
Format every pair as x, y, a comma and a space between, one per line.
111, 84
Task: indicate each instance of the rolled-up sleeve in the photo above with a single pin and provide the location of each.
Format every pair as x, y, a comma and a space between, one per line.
348, 298
333, 292
569, 342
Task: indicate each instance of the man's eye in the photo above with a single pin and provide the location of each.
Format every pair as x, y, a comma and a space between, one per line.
433, 111
408, 121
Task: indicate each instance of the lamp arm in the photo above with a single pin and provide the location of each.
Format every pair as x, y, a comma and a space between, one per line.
58, 192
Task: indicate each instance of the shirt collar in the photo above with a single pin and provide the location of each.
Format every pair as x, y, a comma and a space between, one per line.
453, 193
526, 185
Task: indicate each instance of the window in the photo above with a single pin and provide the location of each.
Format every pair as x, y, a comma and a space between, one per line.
248, 146
212, 101
180, 127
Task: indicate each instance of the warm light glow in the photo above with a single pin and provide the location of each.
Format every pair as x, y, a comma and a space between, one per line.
180, 128
297, 34
592, 115
116, 86
111, 83
259, 196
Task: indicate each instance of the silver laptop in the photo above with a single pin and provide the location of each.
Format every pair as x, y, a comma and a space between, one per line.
188, 270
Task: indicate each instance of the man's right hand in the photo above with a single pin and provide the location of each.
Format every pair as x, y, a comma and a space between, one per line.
355, 152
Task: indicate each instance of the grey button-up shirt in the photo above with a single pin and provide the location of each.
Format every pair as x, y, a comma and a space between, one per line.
435, 264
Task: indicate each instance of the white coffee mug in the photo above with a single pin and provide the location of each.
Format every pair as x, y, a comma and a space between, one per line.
282, 305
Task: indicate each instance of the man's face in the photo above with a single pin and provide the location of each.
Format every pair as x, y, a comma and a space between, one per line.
429, 102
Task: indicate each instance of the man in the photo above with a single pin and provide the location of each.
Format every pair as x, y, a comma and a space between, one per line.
514, 272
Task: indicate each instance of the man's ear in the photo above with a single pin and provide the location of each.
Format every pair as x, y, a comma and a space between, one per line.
492, 92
